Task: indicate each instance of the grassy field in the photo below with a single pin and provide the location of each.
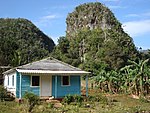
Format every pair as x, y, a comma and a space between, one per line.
108, 104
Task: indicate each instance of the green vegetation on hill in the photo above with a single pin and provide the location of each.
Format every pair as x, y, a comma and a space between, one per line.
96, 42
94, 36
22, 42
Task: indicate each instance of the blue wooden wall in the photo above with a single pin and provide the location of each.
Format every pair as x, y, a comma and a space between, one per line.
17, 84
25, 86
26, 82
74, 88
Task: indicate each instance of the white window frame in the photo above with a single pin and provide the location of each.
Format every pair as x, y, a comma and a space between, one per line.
31, 81
62, 80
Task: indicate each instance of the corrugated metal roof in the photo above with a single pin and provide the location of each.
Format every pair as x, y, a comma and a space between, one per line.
52, 72
48, 64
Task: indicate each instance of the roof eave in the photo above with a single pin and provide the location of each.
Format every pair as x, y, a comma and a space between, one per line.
9, 71
52, 72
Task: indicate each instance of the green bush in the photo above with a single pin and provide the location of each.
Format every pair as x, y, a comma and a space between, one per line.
97, 98
50, 105
32, 100
68, 99
78, 98
144, 99
3, 93
73, 98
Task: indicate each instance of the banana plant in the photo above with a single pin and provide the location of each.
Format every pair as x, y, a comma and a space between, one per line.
137, 71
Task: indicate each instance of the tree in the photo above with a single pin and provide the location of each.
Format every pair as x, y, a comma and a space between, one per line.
16, 61
20, 39
94, 35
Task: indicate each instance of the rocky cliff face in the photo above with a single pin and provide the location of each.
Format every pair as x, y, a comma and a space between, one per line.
95, 35
91, 16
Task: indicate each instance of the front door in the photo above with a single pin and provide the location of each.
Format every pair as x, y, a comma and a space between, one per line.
46, 83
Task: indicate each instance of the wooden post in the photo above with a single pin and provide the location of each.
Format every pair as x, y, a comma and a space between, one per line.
56, 86
86, 85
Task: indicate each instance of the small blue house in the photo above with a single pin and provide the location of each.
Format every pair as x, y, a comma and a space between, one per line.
45, 78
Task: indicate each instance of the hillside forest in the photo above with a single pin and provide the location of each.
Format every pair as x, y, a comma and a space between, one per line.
21, 42
94, 41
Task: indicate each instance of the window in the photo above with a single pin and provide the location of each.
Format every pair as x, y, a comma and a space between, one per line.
65, 80
35, 81
13, 80
8, 81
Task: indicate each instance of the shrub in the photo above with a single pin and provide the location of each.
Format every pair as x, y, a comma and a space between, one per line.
3, 93
144, 99
73, 98
78, 98
50, 105
98, 98
32, 100
68, 99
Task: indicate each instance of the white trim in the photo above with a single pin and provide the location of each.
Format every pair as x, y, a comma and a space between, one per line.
62, 80
52, 72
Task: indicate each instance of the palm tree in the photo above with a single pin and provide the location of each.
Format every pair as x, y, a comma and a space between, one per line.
16, 61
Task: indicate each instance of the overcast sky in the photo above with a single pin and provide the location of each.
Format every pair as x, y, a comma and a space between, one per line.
50, 15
